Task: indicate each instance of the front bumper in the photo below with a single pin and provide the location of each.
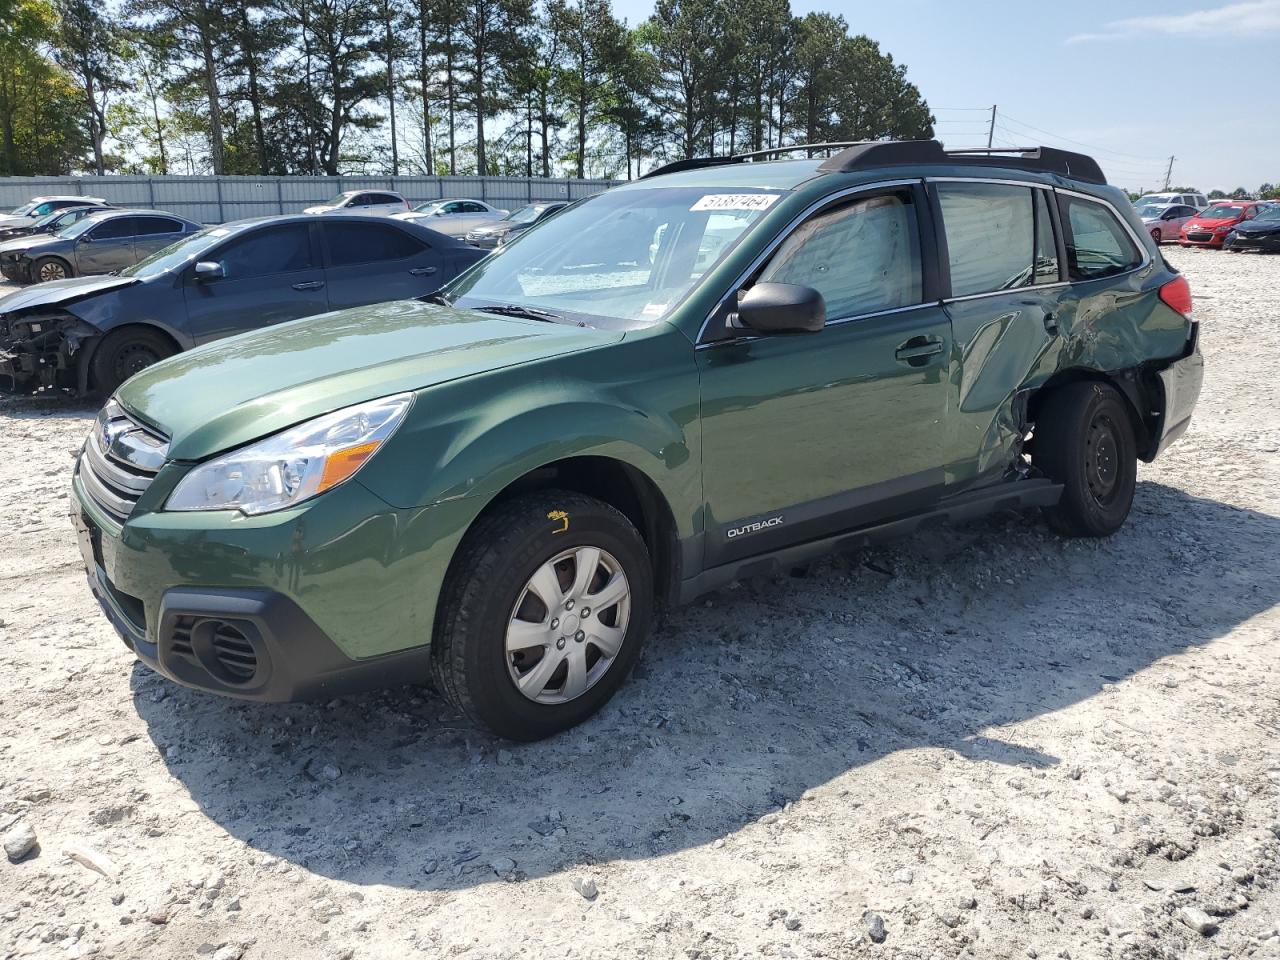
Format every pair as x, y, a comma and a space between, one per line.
309, 605
1201, 238
15, 268
1262, 241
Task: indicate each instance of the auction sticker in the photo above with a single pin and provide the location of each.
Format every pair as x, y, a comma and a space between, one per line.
736, 201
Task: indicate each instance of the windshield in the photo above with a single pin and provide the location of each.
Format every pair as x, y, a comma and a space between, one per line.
49, 218
23, 210
524, 215
1152, 210
72, 230
627, 255
1222, 211
187, 250
337, 201
1271, 212
1153, 199
428, 206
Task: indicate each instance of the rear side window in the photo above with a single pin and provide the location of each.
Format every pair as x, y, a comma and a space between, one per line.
1097, 244
991, 236
1046, 270
283, 249
863, 257
368, 242
116, 229
150, 226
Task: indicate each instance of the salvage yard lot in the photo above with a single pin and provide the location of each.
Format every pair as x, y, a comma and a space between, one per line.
997, 742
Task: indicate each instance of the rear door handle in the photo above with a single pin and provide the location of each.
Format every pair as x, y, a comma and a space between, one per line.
423, 271
918, 350
310, 285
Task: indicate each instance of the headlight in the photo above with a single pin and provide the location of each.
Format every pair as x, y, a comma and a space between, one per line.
295, 464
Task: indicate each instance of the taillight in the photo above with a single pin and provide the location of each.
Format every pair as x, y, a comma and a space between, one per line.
1177, 295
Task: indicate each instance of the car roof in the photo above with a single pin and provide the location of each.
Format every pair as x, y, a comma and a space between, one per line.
67, 196
236, 226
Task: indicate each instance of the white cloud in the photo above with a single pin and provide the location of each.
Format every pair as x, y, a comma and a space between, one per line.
1252, 18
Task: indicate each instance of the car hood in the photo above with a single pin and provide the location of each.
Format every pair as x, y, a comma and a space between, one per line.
1258, 226
16, 221
62, 292
1215, 222
501, 228
228, 393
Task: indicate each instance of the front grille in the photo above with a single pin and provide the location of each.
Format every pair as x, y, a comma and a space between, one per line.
121, 457
1200, 237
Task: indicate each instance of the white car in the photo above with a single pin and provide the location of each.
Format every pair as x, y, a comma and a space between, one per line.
455, 217
363, 201
1197, 200
38, 207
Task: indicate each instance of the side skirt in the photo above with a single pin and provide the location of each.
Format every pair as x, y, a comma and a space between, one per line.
1015, 495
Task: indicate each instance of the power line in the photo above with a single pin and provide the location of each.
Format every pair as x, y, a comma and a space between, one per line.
1080, 143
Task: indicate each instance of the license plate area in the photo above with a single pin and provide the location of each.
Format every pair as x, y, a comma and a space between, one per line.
90, 539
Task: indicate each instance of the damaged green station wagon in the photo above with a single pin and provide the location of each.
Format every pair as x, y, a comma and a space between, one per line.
721, 370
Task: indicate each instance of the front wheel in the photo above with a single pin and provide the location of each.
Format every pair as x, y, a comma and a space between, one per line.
1156, 236
544, 612
1084, 439
123, 353
48, 269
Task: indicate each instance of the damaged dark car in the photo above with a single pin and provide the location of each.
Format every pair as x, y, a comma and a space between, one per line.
90, 334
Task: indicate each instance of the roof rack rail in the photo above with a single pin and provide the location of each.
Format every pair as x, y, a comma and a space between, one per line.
865, 154
697, 163
888, 153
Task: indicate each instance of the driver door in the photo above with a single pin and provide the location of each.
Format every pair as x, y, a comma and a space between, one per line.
808, 434
107, 246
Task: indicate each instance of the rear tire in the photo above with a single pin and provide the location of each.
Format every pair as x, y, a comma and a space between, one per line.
124, 352
524, 667
1084, 439
48, 269
1156, 236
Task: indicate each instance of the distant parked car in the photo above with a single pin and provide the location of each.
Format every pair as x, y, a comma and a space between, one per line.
92, 333
1197, 200
363, 201
1210, 227
50, 223
1165, 223
38, 207
455, 217
1262, 233
512, 225
102, 242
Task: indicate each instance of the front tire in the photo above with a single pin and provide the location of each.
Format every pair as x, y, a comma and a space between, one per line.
546, 607
125, 352
48, 269
1156, 236
1084, 439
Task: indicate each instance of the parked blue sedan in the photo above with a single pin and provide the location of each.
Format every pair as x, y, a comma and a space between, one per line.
90, 334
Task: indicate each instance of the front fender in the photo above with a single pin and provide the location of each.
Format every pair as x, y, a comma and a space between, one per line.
635, 401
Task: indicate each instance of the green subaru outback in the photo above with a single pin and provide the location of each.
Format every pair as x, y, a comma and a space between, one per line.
723, 369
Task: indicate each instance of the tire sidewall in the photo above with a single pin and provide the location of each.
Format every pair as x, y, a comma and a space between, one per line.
106, 358
1102, 519
38, 265
491, 689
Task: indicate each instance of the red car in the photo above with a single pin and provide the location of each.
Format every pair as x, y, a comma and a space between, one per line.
1210, 228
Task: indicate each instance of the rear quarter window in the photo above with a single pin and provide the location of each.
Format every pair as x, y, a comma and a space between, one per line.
1098, 245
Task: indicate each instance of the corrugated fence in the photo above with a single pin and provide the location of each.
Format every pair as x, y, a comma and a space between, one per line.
219, 199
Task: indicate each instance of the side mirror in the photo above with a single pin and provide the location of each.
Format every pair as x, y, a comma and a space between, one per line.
781, 308
209, 270
87, 238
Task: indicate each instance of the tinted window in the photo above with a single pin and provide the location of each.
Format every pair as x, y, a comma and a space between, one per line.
149, 226
1097, 245
862, 257
283, 249
990, 229
1046, 246
383, 198
113, 229
451, 208
470, 207
367, 242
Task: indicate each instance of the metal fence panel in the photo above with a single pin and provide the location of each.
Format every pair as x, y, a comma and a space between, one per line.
218, 199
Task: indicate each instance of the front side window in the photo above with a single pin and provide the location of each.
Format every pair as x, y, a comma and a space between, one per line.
367, 242
283, 249
623, 258
117, 229
863, 257
991, 236
1097, 245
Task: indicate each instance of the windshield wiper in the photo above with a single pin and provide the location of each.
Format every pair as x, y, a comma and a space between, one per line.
437, 297
528, 313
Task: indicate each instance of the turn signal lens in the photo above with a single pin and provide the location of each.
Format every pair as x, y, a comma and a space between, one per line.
1176, 295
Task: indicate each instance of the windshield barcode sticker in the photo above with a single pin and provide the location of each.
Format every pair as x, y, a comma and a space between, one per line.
736, 201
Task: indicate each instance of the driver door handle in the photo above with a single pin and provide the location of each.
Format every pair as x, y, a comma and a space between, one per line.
423, 271
918, 350
310, 285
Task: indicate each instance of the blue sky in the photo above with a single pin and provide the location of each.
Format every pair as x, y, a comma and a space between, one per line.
1130, 81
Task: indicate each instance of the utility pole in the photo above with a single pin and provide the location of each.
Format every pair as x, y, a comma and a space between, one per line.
991, 130
1168, 174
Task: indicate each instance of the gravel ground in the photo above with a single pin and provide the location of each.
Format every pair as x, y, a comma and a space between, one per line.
983, 742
